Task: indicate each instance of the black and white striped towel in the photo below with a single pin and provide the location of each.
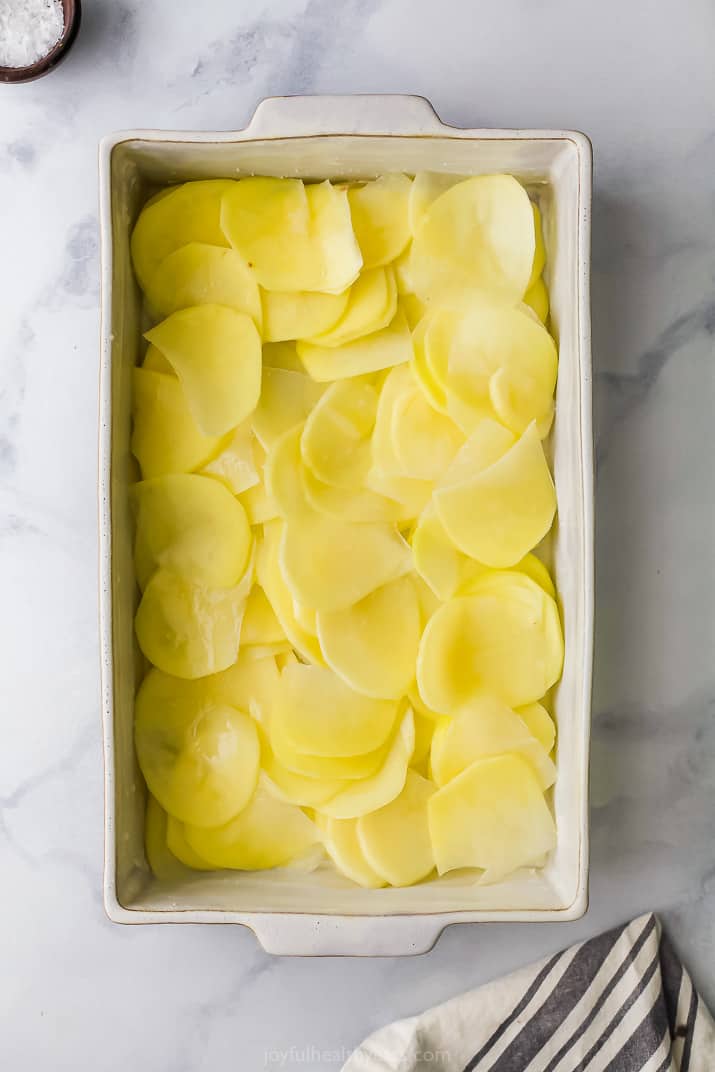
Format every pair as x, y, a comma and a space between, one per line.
621, 1002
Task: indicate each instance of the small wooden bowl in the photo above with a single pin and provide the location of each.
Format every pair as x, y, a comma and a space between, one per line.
73, 16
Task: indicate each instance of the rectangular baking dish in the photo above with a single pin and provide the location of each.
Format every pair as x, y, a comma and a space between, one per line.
348, 138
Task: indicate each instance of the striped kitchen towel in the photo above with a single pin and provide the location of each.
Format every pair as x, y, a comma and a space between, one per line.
621, 1002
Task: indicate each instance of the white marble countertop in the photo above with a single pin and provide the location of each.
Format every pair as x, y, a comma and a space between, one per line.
77, 992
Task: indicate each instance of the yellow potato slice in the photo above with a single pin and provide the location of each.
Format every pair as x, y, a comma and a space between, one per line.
505, 639
341, 842
296, 788
199, 758
330, 564
438, 562
539, 723
426, 187
345, 768
284, 474
533, 567
179, 846
306, 617
165, 436
258, 504
267, 833
364, 796
192, 526
300, 314
424, 732
373, 644
318, 714
235, 465
162, 862
282, 355
537, 298
296, 238
487, 444
188, 213
430, 358
494, 816
485, 727
537, 266
381, 350
395, 839
336, 440
360, 504
477, 237
155, 361
379, 215
387, 477
286, 399
271, 580
400, 267
249, 685
428, 601
260, 625
216, 353
413, 309
371, 306
199, 274
505, 510
187, 629
424, 440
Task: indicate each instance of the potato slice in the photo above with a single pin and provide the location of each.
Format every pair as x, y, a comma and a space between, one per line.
379, 215
235, 465
199, 758
345, 768
400, 267
533, 567
260, 625
259, 505
282, 355
295, 237
424, 440
179, 846
386, 476
296, 788
504, 511
336, 440
155, 361
165, 436
216, 353
477, 237
286, 399
359, 505
537, 298
424, 732
271, 580
373, 644
187, 629
300, 314
426, 188
539, 723
504, 639
413, 309
395, 839
199, 274
162, 862
193, 526
427, 600
362, 797
250, 685
306, 618
487, 444
494, 816
284, 474
318, 714
485, 727
445, 569
341, 842
188, 213
537, 266
267, 833
381, 350
427, 369
371, 306
330, 564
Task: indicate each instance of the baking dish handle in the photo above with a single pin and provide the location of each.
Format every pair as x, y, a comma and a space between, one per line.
301, 116
348, 936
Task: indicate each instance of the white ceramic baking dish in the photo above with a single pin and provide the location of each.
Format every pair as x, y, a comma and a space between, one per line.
348, 137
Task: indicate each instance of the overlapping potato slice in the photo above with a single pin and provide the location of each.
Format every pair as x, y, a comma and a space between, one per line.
539, 723
286, 399
445, 569
193, 526
426, 188
296, 788
493, 815
373, 644
485, 727
489, 442
260, 625
300, 314
431, 354
344, 768
533, 567
188, 213
295, 237
155, 361
336, 439
372, 304
424, 440
501, 513
282, 355
387, 475
250, 685
361, 797
477, 237
199, 757
162, 862
537, 265
165, 436
413, 308
272, 581
268, 832
424, 732
257, 500
187, 629
235, 464
371, 353
505, 639
395, 839
358, 505
200, 274
179, 846
216, 353
284, 474
400, 267
537, 298
331, 564
342, 845
379, 215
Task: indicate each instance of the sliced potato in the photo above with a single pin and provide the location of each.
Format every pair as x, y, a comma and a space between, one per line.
341, 842
267, 833
424, 440
330, 564
336, 443
493, 815
260, 625
155, 361
379, 215
371, 306
165, 436
539, 723
249, 685
359, 505
477, 237
381, 350
286, 399
188, 213
438, 562
429, 357
193, 526
424, 732
300, 314
504, 639
400, 267
426, 188
364, 796
489, 442
373, 644
235, 465
346, 768
296, 788
500, 514
257, 501
395, 839
216, 353
284, 474
282, 355
179, 846
271, 580
537, 266
537, 298
162, 862
199, 758
200, 274
413, 309
533, 567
